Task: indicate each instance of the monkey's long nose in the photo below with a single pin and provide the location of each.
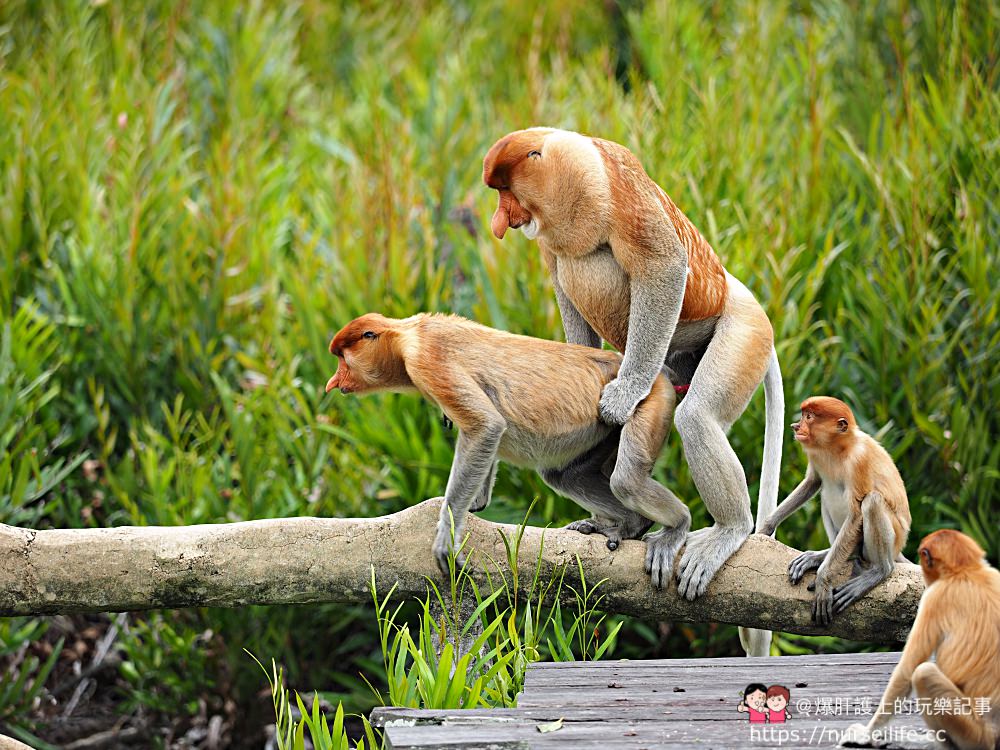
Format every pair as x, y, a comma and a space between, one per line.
500, 222
333, 382
795, 426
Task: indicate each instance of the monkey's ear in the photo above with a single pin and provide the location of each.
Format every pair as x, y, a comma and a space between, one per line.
842, 424
927, 556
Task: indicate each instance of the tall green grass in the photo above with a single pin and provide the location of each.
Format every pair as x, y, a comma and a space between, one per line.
194, 196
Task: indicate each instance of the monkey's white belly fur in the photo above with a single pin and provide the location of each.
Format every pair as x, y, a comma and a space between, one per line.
606, 306
525, 447
836, 502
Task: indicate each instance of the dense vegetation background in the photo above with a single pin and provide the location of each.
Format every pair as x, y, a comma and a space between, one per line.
194, 196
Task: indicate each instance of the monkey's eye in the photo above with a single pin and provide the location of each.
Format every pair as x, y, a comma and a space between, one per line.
534, 154
369, 335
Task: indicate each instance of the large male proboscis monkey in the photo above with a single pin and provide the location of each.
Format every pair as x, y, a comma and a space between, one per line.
957, 623
525, 401
629, 268
862, 502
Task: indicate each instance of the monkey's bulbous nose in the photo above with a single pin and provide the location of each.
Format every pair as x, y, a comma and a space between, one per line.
795, 426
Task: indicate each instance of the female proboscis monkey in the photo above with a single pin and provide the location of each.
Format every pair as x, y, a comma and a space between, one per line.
629, 268
526, 401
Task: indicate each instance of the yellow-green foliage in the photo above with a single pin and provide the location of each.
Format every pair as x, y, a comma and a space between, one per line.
194, 196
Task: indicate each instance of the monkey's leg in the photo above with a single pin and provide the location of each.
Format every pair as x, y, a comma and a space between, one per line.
641, 441
475, 457
486, 493
732, 367
878, 549
836, 557
966, 731
584, 481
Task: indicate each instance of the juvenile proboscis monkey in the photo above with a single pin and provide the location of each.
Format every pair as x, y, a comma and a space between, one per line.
629, 268
863, 505
958, 623
526, 401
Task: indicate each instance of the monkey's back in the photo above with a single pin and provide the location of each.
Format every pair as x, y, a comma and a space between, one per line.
970, 654
547, 391
883, 477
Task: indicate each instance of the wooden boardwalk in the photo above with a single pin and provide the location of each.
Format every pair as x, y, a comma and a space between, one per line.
670, 703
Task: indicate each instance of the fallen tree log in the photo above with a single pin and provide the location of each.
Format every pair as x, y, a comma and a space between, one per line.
309, 560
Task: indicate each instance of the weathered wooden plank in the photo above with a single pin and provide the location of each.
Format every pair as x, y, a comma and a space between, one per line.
666, 703
614, 734
579, 696
626, 713
826, 660
693, 677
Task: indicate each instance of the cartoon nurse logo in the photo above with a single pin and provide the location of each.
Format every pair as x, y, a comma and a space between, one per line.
754, 703
777, 704
765, 705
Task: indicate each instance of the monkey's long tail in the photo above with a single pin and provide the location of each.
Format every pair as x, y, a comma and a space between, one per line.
758, 642
774, 416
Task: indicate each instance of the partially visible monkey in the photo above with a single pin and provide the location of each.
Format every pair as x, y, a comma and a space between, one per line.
628, 267
958, 623
531, 403
863, 504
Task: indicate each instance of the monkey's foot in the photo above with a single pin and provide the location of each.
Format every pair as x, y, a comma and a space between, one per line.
594, 526
844, 596
661, 550
707, 551
803, 564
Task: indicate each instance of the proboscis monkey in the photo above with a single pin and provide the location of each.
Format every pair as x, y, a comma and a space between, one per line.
863, 504
957, 623
526, 401
629, 268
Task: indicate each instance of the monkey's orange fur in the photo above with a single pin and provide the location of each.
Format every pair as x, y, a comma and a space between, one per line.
543, 389
852, 459
958, 621
628, 267
609, 205
864, 506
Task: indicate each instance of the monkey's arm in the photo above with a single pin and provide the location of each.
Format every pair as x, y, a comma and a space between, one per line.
657, 271
480, 431
807, 488
578, 330
924, 638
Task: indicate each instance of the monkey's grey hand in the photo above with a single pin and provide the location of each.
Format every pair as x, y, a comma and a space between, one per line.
617, 403
442, 551
803, 564
442, 547
822, 609
767, 529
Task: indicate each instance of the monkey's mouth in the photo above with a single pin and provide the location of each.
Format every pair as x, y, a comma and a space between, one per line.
529, 228
801, 437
